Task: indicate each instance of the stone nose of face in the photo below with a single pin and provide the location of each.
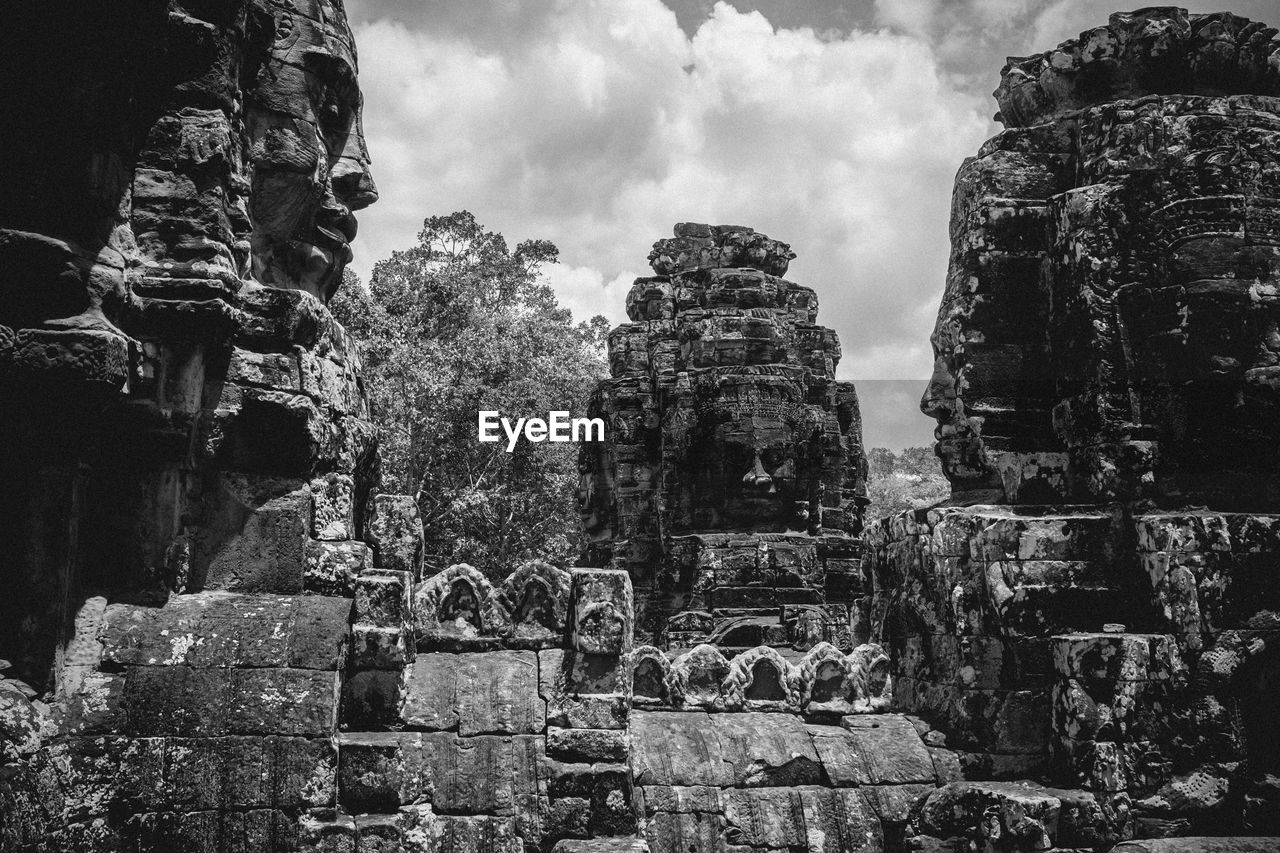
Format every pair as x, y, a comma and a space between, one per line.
939, 399
353, 184
757, 478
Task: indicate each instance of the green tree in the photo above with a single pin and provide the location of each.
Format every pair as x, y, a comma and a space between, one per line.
901, 481
457, 324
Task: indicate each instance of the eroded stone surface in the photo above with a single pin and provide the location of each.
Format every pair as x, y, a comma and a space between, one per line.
1096, 600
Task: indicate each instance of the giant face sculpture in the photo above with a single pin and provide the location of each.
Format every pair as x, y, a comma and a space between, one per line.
1109, 327
310, 167
1166, 270
751, 452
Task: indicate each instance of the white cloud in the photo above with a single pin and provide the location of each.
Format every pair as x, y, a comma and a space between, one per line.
585, 292
599, 125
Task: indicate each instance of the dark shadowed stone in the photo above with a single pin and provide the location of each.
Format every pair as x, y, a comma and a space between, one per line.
373, 698
583, 691
379, 771
260, 543
375, 647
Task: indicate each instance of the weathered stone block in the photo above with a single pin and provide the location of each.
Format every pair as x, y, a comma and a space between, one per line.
667, 798
333, 507
1190, 844
259, 540
685, 831
268, 369
383, 598
677, 748
380, 771
559, 674
810, 818
601, 845
94, 706
177, 700
375, 647
889, 745
1022, 816
458, 834
217, 629
332, 567
394, 529
476, 693
589, 745
378, 834
495, 775
326, 831
603, 608
283, 701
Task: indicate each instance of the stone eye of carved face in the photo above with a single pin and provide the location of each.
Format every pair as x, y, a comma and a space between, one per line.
336, 97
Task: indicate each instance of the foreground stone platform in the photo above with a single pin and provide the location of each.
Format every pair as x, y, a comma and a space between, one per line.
743, 781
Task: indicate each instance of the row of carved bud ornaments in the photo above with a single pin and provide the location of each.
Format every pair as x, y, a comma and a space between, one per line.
826, 682
459, 609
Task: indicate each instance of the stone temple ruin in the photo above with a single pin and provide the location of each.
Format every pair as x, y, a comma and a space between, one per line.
218, 634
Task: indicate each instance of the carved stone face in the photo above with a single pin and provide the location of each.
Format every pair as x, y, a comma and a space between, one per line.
1198, 377
958, 437
310, 167
750, 457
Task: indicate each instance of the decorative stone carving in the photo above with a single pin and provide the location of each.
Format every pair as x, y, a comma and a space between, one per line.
761, 679
871, 675
456, 606
535, 599
828, 682
652, 685
699, 678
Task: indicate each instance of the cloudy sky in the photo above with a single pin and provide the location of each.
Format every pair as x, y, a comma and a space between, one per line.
835, 125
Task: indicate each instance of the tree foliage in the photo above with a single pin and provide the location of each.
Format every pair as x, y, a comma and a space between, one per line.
906, 480
456, 324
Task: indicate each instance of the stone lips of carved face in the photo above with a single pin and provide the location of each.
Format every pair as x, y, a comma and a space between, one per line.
310, 164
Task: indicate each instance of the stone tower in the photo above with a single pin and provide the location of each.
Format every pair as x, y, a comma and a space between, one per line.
731, 481
189, 468
1097, 604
